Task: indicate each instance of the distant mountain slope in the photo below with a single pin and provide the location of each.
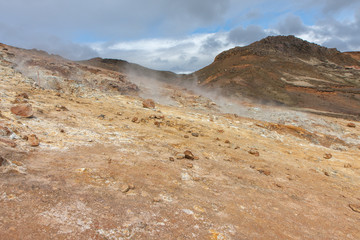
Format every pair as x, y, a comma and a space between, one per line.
354, 55
131, 69
289, 71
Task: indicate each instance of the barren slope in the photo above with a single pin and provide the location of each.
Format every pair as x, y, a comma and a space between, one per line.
289, 71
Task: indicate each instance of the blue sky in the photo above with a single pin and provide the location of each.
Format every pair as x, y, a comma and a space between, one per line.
178, 35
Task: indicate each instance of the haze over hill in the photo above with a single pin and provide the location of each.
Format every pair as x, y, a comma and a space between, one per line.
83, 154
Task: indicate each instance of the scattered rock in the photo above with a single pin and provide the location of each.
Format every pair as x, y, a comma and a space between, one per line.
327, 155
156, 123
264, 171
61, 108
186, 136
326, 173
195, 134
189, 165
148, 103
351, 125
2, 161
355, 207
180, 156
33, 140
135, 119
171, 159
101, 116
189, 155
11, 143
4, 131
347, 165
227, 141
156, 199
124, 188
254, 152
23, 110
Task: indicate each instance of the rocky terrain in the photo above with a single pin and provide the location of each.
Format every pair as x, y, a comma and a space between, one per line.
85, 155
288, 71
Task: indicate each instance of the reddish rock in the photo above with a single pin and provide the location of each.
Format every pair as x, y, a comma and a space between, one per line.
135, 119
264, 171
254, 152
327, 155
189, 155
351, 125
23, 110
33, 140
148, 103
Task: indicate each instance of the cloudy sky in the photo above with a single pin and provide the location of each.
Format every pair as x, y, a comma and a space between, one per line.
177, 35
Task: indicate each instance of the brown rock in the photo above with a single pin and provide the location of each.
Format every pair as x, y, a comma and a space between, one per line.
351, 125
347, 165
327, 155
4, 131
355, 207
2, 161
135, 119
148, 103
227, 141
124, 188
33, 140
195, 134
23, 95
11, 143
189, 165
264, 171
171, 159
22, 110
254, 152
60, 108
189, 155
186, 136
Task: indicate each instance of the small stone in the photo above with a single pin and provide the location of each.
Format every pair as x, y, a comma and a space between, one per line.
347, 165
131, 186
196, 179
327, 155
196, 158
58, 94
189, 165
156, 199
180, 156
33, 140
355, 207
61, 108
23, 95
124, 188
4, 131
189, 155
254, 152
148, 103
227, 141
101, 116
62, 130
135, 119
23, 110
171, 159
351, 125
2, 161
186, 136
327, 174
264, 171
195, 134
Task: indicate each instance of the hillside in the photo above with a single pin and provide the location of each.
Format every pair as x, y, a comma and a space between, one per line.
288, 71
84, 156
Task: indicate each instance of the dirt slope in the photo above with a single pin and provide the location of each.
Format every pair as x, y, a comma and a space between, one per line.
289, 71
95, 164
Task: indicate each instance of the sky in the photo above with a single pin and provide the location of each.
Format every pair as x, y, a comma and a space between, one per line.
179, 35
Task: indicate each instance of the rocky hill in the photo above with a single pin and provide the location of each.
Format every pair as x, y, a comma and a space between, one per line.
288, 71
84, 156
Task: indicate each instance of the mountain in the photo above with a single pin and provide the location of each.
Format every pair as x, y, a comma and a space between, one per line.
288, 71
